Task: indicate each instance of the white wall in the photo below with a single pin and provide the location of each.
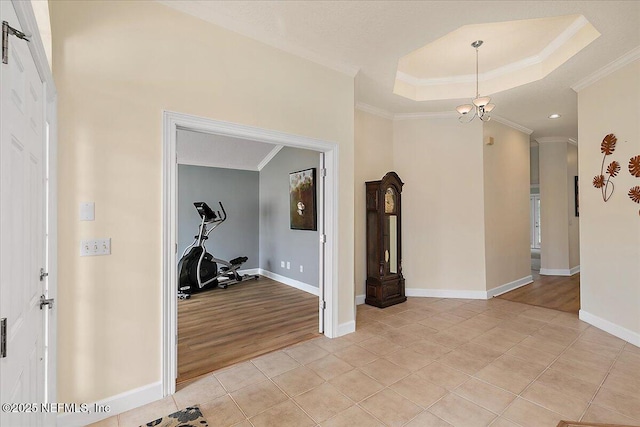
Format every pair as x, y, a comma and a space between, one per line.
117, 66
554, 207
440, 162
574, 221
374, 158
506, 205
610, 232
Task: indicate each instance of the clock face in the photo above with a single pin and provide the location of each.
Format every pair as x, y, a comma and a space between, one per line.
389, 201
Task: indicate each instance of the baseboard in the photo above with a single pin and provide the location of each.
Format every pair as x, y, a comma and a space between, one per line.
346, 328
249, 271
360, 299
610, 327
445, 293
291, 282
574, 270
509, 286
117, 404
555, 272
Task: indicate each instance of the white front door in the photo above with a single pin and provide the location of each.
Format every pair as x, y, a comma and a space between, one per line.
22, 230
535, 221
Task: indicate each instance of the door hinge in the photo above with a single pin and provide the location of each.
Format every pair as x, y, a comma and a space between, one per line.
323, 305
3, 337
323, 238
43, 274
46, 301
323, 172
8, 30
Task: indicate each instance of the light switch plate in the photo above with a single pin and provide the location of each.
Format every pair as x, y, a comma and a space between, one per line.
94, 247
87, 211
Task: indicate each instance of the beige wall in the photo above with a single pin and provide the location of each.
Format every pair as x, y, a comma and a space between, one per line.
374, 158
554, 206
506, 205
117, 66
535, 165
440, 162
574, 221
610, 232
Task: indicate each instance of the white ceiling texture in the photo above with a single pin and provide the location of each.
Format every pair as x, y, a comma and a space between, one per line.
367, 39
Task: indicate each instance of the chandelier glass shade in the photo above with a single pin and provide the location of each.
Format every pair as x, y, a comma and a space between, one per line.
480, 106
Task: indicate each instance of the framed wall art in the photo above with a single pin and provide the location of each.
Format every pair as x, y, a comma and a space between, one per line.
302, 200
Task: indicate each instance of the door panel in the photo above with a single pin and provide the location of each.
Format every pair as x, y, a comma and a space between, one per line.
22, 247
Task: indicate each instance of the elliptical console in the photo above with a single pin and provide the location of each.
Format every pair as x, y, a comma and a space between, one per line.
198, 269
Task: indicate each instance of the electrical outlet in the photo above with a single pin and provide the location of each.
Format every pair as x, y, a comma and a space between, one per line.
288, 265
282, 264
301, 269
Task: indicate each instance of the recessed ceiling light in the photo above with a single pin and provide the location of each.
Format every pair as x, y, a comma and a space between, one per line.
555, 116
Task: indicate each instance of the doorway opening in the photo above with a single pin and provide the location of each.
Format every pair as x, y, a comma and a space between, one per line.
327, 222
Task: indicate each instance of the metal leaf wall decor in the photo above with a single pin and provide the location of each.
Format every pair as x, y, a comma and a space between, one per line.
604, 183
634, 170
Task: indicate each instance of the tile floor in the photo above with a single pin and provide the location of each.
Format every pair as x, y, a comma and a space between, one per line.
427, 362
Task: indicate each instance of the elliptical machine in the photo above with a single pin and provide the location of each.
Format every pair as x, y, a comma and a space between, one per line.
198, 269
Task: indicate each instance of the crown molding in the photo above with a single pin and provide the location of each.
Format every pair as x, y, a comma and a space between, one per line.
269, 156
426, 115
554, 139
611, 67
374, 110
511, 124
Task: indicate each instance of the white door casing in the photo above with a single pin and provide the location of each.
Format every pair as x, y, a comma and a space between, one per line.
27, 105
329, 272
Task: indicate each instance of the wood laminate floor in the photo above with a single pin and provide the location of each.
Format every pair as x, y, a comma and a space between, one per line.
556, 292
221, 327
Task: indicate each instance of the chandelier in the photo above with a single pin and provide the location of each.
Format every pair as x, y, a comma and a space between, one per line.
481, 105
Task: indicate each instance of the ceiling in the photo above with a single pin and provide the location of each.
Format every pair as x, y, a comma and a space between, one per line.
370, 37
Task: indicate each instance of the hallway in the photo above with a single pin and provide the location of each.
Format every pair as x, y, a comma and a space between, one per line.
555, 292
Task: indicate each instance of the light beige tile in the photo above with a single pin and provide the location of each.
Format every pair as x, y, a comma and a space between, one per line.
306, 353
363, 333
510, 373
529, 414
256, 398
356, 385
540, 313
329, 366
429, 350
108, 422
461, 412
500, 339
402, 338
624, 383
621, 403
470, 357
244, 423
147, 413
418, 330
355, 355
565, 383
531, 354
199, 392
542, 344
628, 362
380, 346
427, 419
332, 344
352, 417
395, 321
418, 390
285, 414
442, 375
239, 376
391, 408
483, 394
557, 334
298, 380
592, 360
463, 331
440, 322
550, 398
580, 370
598, 414
384, 371
408, 359
632, 348
570, 320
275, 363
600, 337
415, 315
503, 422
446, 339
222, 412
608, 352
323, 402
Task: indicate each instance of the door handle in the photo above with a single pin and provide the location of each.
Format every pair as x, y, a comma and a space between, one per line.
46, 301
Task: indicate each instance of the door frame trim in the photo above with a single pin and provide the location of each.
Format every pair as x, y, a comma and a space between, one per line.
171, 122
28, 24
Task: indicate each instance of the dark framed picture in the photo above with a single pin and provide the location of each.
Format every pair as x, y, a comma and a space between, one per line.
302, 200
575, 180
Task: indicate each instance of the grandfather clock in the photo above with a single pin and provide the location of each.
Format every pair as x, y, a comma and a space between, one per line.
385, 283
